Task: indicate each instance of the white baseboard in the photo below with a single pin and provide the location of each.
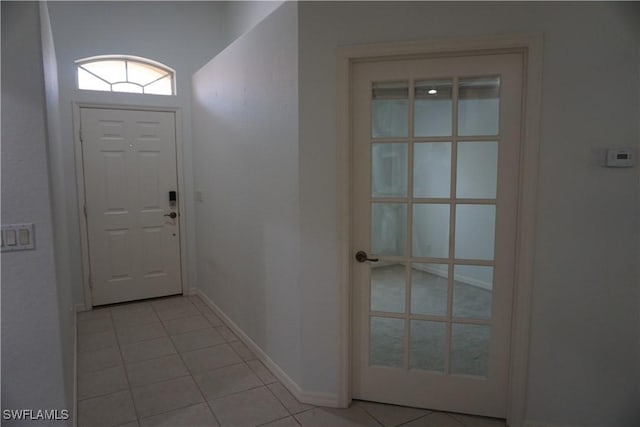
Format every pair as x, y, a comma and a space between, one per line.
458, 277
328, 400
311, 398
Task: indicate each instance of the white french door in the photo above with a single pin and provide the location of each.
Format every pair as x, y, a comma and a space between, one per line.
436, 149
130, 184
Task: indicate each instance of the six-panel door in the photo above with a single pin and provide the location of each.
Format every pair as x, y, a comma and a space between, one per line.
129, 162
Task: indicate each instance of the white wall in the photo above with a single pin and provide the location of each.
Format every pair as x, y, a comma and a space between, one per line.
32, 353
245, 124
182, 35
242, 16
584, 366
66, 307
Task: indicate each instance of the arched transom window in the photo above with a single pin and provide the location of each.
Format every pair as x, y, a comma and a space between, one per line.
125, 74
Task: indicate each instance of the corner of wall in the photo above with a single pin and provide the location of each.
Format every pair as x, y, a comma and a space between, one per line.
66, 308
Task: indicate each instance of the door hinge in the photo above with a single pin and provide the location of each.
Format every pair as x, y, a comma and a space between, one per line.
80, 134
90, 282
85, 210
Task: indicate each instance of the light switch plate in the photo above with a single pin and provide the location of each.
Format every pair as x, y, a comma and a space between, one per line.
18, 237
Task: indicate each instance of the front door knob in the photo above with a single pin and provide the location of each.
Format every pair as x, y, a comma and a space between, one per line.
361, 256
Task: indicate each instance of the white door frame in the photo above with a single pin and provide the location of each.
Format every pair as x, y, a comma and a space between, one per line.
84, 236
530, 45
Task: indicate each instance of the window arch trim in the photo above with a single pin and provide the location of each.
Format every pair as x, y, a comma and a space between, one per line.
127, 84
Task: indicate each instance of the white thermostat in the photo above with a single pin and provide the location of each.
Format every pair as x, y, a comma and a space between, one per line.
620, 158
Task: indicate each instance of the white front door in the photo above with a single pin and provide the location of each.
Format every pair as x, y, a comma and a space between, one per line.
436, 147
129, 161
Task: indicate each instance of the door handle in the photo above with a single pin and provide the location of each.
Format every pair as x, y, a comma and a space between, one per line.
361, 256
171, 215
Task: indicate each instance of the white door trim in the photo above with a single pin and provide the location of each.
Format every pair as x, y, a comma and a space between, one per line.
530, 45
79, 166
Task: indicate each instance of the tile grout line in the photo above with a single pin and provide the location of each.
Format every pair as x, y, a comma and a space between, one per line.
83, 373
282, 403
191, 330
304, 412
232, 349
419, 418
275, 380
278, 419
138, 417
199, 348
130, 389
381, 424
463, 423
161, 381
172, 343
177, 409
404, 422
192, 378
264, 384
109, 393
234, 393
447, 414
117, 346
165, 329
374, 417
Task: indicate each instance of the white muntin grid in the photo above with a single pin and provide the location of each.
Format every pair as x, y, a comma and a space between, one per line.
409, 201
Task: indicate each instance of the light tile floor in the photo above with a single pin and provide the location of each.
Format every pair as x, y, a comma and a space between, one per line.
172, 362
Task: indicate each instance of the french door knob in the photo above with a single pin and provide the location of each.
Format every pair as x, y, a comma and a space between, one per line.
361, 256
171, 215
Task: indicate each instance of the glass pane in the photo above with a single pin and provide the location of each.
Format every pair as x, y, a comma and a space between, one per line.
161, 87
472, 291
388, 284
431, 230
475, 231
432, 108
143, 74
427, 345
477, 172
112, 71
127, 87
470, 349
390, 110
432, 169
429, 289
479, 106
389, 229
389, 170
88, 81
387, 342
